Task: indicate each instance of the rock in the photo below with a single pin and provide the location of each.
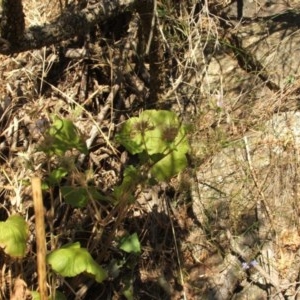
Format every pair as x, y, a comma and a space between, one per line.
251, 189
261, 8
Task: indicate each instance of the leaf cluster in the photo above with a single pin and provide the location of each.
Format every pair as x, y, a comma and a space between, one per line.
159, 139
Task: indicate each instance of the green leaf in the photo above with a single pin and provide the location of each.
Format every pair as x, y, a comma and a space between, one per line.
159, 139
79, 196
173, 162
57, 175
72, 260
58, 296
165, 129
75, 196
114, 267
63, 136
169, 166
130, 137
13, 236
35, 295
125, 191
153, 131
127, 291
130, 244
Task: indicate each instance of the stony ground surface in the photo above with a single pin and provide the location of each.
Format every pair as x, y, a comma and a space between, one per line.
245, 197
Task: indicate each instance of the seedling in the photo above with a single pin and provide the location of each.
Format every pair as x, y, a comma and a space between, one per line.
61, 137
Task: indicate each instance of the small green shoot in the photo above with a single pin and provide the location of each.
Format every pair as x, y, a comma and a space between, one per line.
128, 289
158, 138
125, 190
63, 136
130, 244
56, 176
13, 236
72, 260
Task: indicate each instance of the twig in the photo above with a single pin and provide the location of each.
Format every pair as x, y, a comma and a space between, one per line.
154, 15
109, 102
271, 276
40, 236
101, 116
235, 248
256, 182
176, 248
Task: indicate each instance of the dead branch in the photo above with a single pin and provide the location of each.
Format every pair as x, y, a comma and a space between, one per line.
69, 24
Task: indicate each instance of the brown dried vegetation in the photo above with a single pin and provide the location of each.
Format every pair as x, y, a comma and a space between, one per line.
231, 206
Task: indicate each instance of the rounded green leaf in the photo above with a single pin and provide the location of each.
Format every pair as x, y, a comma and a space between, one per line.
158, 136
130, 137
169, 166
164, 131
72, 260
79, 196
63, 136
13, 236
154, 131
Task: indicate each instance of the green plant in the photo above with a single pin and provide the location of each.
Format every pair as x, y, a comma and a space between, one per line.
78, 196
157, 136
71, 260
13, 236
130, 244
131, 247
159, 139
58, 296
61, 137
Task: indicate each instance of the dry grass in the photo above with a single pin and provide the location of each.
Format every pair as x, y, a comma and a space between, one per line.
234, 184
